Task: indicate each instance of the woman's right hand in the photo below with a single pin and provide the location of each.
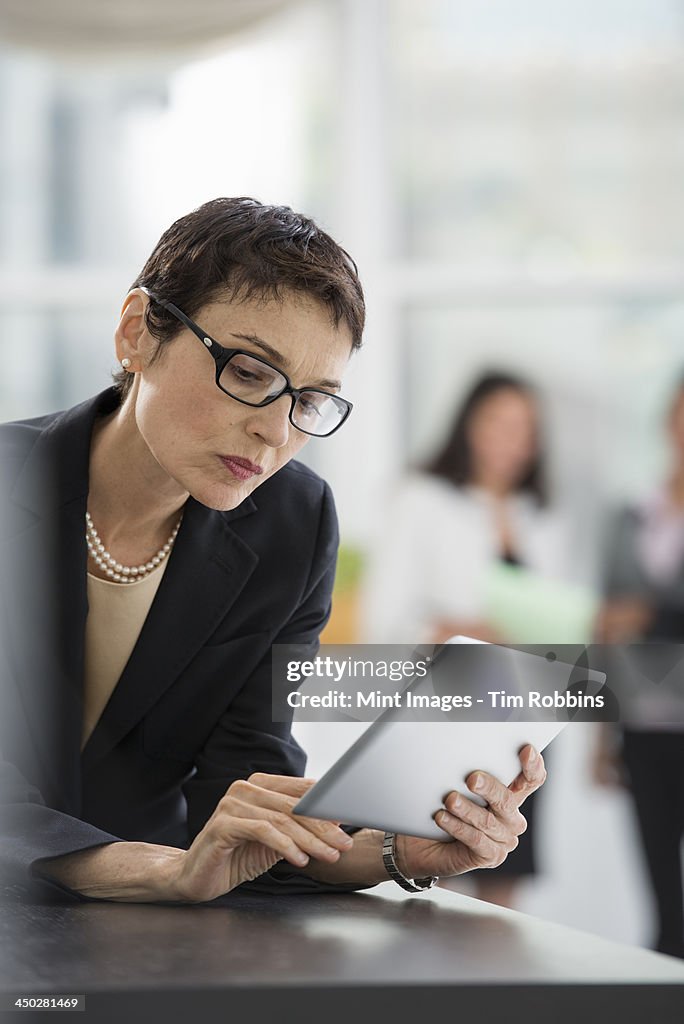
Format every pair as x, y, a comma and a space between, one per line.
251, 829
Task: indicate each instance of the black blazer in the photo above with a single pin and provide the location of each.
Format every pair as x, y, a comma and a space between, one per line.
192, 709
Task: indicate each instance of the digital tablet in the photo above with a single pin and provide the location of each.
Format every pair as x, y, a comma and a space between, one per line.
398, 773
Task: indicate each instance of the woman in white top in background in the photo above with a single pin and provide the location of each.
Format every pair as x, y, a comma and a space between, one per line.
480, 501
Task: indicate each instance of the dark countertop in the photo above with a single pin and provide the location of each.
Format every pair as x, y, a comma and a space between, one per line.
256, 947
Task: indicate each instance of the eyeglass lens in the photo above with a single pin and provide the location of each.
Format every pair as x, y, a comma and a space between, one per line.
254, 382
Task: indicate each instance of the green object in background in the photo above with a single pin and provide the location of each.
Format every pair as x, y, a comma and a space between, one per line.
527, 608
350, 565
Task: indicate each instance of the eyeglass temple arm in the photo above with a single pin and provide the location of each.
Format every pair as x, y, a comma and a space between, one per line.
175, 311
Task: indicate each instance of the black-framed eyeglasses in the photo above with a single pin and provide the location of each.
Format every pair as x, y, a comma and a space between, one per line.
254, 381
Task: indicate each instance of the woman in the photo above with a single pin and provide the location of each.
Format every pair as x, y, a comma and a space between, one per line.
479, 503
140, 758
644, 604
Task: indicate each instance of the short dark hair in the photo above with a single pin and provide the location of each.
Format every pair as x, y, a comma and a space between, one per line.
454, 461
246, 248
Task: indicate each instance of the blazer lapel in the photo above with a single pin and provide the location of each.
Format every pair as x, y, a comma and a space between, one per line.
208, 567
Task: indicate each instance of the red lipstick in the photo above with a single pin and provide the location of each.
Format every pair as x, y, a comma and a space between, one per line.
241, 468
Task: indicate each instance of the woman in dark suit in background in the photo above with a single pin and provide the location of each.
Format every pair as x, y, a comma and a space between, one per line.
141, 759
644, 604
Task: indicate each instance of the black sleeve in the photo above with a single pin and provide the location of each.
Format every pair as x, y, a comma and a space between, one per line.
31, 831
247, 739
30, 828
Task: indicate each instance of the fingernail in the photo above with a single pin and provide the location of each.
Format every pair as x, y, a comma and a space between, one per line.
456, 803
478, 783
441, 817
533, 755
301, 858
347, 842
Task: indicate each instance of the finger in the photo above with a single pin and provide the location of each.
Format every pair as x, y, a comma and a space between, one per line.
233, 808
266, 833
497, 827
484, 850
532, 776
329, 831
291, 785
499, 798
305, 837
279, 801
532, 765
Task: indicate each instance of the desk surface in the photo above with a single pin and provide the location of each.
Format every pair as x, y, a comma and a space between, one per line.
378, 938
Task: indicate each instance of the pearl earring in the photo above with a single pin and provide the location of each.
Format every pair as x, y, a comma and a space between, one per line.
125, 362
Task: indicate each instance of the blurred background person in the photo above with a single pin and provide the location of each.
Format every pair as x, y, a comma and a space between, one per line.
480, 502
644, 602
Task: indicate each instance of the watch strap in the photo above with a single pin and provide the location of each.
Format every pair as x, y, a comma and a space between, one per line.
389, 860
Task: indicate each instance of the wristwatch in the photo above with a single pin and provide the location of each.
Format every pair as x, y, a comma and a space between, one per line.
388, 859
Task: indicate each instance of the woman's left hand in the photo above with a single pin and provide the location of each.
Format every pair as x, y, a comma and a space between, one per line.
484, 835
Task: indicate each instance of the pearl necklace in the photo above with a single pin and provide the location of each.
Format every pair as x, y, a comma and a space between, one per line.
115, 570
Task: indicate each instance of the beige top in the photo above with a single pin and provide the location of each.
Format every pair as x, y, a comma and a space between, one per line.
116, 614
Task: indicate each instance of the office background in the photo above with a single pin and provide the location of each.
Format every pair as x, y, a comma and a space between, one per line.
508, 177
